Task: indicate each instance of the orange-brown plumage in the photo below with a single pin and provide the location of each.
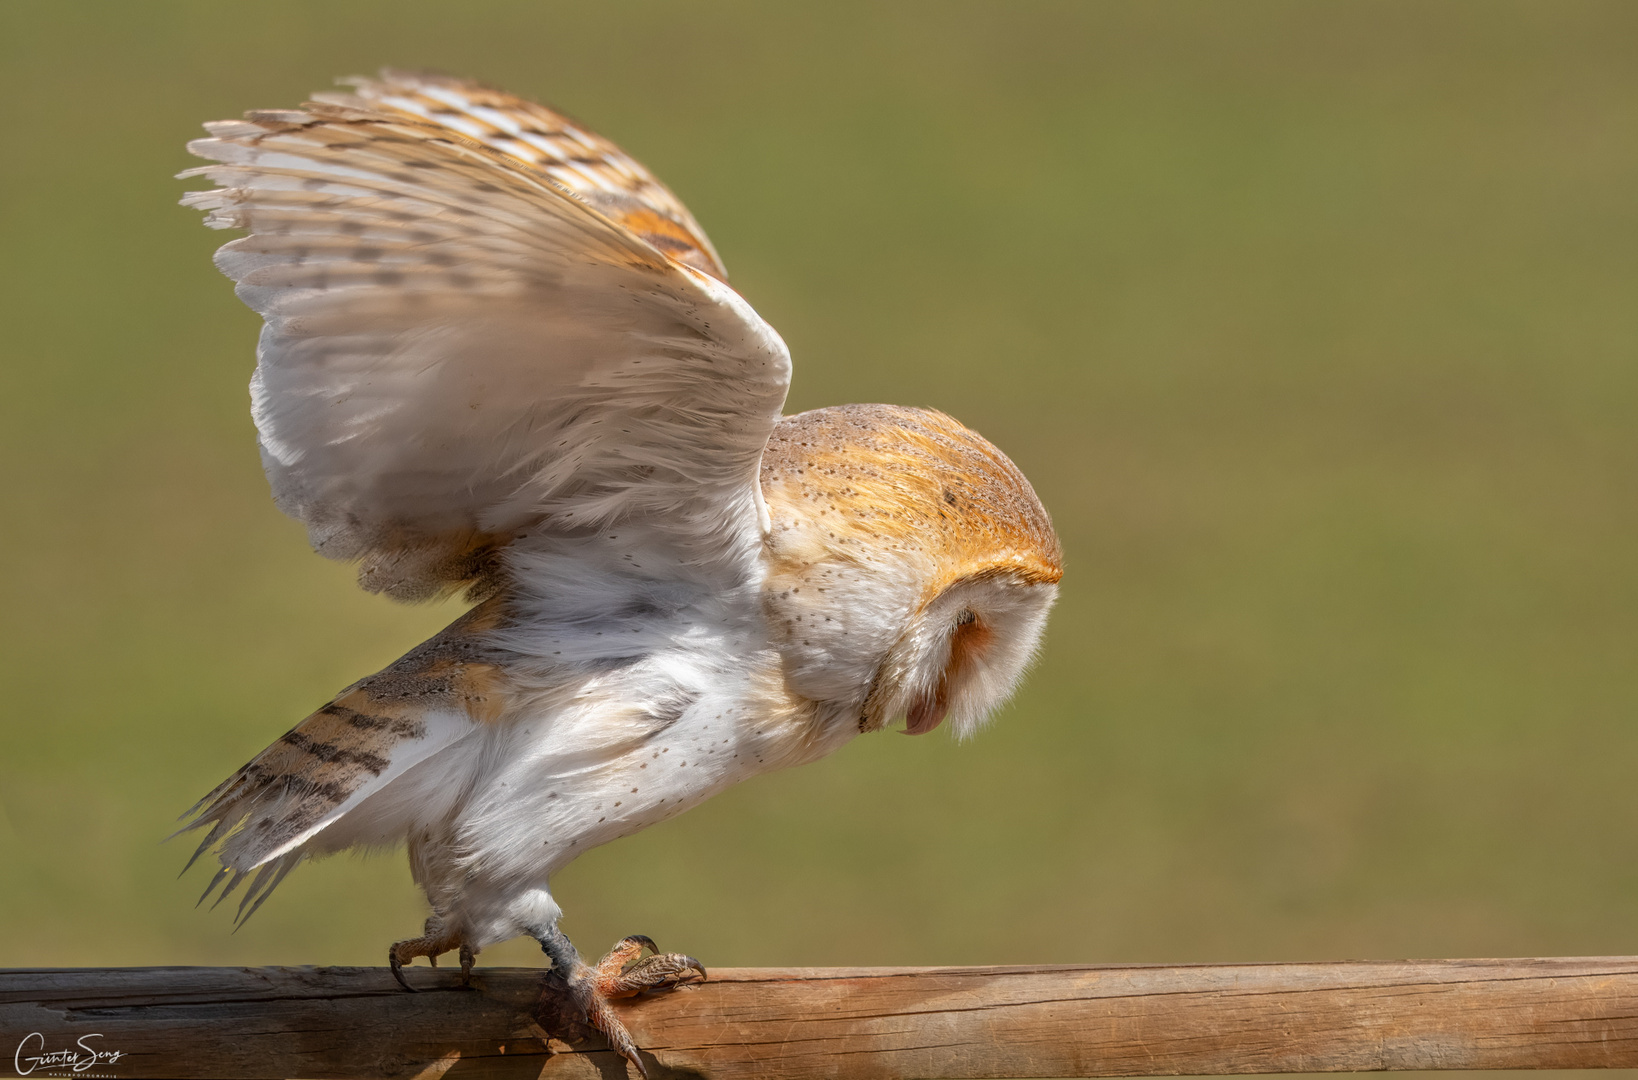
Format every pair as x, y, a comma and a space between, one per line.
571, 155
872, 479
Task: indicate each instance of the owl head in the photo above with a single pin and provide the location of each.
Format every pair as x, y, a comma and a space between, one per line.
912, 566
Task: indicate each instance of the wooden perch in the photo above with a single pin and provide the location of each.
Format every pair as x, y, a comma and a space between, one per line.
787, 1024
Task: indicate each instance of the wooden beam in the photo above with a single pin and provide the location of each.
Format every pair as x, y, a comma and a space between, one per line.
792, 1024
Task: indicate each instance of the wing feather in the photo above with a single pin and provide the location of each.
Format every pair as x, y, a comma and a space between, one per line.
460, 348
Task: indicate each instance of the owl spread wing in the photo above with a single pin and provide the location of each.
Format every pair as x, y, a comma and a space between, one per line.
481, 321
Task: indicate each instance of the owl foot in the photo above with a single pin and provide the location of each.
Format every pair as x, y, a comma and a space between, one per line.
587, 990
433, 941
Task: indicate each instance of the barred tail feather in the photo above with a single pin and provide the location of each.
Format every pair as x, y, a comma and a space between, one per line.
265, 818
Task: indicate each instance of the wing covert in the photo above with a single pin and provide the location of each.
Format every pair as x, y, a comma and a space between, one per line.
574, 157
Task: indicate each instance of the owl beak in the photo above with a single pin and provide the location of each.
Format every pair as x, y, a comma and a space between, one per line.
926, 713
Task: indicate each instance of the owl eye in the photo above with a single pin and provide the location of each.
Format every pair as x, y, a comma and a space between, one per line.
966, 618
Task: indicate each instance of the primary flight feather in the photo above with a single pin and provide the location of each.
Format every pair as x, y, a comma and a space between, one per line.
499, 356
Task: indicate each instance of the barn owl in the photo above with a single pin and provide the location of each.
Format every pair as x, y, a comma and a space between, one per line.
500, 357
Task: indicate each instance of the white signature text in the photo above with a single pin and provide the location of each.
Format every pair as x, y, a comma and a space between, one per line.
77, 1060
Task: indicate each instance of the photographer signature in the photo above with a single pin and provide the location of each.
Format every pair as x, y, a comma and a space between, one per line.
75, 1060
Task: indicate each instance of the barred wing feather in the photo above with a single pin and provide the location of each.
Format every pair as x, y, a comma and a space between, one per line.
460, 349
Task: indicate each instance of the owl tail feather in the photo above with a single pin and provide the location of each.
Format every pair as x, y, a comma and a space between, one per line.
263, 819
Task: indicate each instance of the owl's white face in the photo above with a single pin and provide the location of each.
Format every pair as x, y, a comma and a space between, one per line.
962, 655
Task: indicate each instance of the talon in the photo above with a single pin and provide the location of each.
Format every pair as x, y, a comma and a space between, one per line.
397, 966
468, 954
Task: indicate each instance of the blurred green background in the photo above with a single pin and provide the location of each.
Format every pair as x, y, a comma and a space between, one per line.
1314, 325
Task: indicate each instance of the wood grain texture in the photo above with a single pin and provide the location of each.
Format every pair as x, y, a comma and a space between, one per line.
789, 1024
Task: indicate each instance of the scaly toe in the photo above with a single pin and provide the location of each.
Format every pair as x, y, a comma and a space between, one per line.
430, 944
659, 972
620, 1041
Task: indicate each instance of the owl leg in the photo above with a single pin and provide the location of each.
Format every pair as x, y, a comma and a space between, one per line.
435, 939
589, 990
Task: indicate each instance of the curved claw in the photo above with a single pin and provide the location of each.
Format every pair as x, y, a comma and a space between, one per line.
625, 951
468, 955
397, 966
